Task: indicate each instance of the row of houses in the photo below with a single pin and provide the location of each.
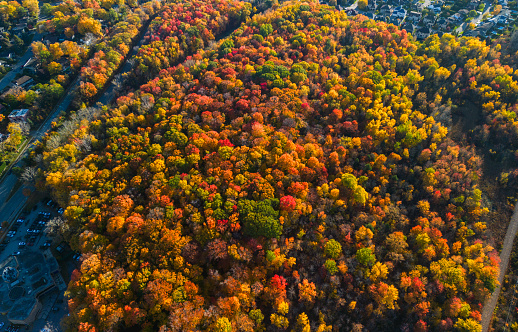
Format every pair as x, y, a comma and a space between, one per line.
409, 13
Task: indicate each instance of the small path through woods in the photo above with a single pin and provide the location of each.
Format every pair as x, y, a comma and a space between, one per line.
489, 307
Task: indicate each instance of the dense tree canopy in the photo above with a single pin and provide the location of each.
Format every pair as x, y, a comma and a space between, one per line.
297, 174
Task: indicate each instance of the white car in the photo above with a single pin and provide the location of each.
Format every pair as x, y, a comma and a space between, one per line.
21, 244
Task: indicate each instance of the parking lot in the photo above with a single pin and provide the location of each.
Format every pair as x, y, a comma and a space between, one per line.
27, 233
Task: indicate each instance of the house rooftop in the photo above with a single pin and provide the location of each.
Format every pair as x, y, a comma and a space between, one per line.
22, 80
19, 112
27, 276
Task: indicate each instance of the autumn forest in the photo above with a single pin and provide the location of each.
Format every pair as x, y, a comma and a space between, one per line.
285, 169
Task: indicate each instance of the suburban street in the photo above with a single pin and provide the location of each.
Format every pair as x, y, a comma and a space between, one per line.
13, 202
17, 68
478, 19
11, 206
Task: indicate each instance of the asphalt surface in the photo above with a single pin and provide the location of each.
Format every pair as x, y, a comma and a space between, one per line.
18, 67
47, 317
487, 9
490, 305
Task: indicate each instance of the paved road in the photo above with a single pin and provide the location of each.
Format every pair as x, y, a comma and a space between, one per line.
17, 68
477, 19
9, 209
489, 306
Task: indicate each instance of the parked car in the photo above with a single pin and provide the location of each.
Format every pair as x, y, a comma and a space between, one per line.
16, 253
61, 210
21, 244
20, 221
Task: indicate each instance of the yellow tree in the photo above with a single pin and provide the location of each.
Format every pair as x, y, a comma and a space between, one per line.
54, 68
87, 24
32, 6
385, 296
55, 51
362, 4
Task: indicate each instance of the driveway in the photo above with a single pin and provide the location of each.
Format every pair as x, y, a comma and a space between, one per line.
17, 68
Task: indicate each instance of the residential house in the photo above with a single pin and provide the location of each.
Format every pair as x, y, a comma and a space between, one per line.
463, 13
399, 13
455, 18
418, 5
451, 20
19, 115
429, 21
50, 39
472, 33
414, 16
484, 28
409, 27
19, 29
436, 9
386, 10
31, 69
442, 23
473, 4
394, 20
422, 33
372, 5
7, 91
24, 81
502, 19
